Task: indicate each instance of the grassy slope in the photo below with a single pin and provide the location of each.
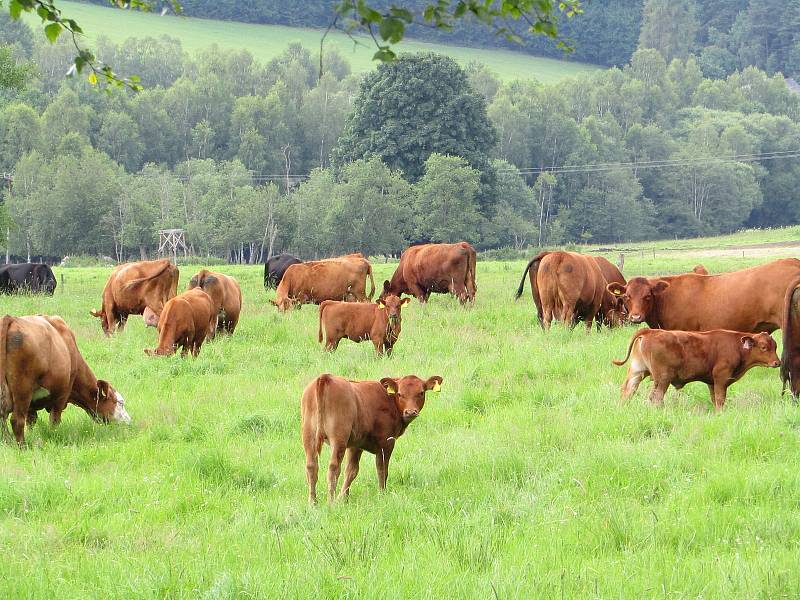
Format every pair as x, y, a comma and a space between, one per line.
267, 41
524, 477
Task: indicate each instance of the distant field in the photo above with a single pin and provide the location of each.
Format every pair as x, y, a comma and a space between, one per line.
526, 477
267, 41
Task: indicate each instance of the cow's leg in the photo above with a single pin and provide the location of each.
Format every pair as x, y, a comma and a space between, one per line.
378, 343
382, 457
632, 381
588, 322
418, 292
458, 289
121, 321
334, 468
658, 391
21, 404
350, 471
60, 399
568, 316
720, 393
312, 446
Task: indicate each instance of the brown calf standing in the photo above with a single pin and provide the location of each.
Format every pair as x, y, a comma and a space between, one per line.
379, 322
354, 416
718, 358
186, 321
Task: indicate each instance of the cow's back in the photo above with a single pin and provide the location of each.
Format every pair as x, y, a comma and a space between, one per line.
747, 300
432, 265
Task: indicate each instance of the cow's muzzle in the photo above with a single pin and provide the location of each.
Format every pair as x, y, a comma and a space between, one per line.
636, 318
410, 414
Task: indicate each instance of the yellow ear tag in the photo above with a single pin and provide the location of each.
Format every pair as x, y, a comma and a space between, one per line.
436, 387
381, 305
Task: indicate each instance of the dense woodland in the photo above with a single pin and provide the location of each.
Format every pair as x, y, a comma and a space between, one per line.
726, 35
255, 158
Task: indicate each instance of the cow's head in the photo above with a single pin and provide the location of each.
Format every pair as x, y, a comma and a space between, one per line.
387, 290
101, 314
613, 310
408, 393
286, 304
760, 349
108, 404
392, 305
638, 297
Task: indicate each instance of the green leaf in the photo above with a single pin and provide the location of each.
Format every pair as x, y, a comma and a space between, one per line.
15, 9
391, 30
52, 31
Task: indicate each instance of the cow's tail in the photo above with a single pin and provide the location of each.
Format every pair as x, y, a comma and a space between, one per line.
323, 381
266, 273
789, 306
635, 337
322, 306
533, 266
371, 282
5, 399
158, 273
472, 287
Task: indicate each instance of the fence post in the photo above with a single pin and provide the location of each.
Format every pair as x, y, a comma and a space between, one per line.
621, 262
62, 283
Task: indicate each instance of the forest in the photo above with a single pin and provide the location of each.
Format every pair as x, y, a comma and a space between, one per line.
253, 159
725, 35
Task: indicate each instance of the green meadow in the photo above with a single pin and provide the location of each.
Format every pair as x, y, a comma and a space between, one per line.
525, 477
268, 41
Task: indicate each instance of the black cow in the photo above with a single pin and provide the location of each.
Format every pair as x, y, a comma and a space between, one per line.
276, 266
30, 278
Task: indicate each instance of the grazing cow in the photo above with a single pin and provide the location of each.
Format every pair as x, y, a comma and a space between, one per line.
790, 363
188, 319
132, 287
31, 278
226, 294
275, 267
718, 358
566, 286
379, 322
357, 416
748, 300
435, 268
612, 310
42, 368
316, 281
700, 270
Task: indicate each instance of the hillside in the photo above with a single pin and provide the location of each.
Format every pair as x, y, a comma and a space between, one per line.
267, 41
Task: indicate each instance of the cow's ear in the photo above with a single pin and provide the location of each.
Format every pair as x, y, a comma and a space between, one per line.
616, 288
748, 342
405, 301
381, 305
434, 384
389, 384
660, 286
102, 389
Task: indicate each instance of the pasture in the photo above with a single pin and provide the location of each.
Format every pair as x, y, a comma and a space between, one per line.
524, 477
268, 41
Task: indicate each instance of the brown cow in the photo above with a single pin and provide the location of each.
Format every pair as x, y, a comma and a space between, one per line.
315, 281
42, 368
226, 294
132, 287
718, 358
566, 286
357, 416
435, 268
379, 322
612, 310
790, 364
188, 319
748, 300
700, 270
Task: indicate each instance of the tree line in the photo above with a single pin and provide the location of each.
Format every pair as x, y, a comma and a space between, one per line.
255, 158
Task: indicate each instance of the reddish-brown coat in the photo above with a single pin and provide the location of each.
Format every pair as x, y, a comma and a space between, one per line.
718, 358
133, 287
226, 294
42, 368
354, 416
312, 282
188, 319
435, 268
379, 322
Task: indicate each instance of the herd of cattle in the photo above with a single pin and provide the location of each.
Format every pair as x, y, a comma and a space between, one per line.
709, 328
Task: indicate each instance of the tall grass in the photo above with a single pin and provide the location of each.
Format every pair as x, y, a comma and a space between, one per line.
525, 477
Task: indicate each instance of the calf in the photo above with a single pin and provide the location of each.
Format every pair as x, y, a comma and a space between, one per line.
42, 368
188, 319
379, 322
718, 358
357, 416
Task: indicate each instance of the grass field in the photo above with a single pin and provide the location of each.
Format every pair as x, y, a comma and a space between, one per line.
524, 478
267, 41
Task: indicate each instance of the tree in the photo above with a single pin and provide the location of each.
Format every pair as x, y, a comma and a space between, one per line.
12, 75
21, 133
669, 26
445, 200
414, 107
